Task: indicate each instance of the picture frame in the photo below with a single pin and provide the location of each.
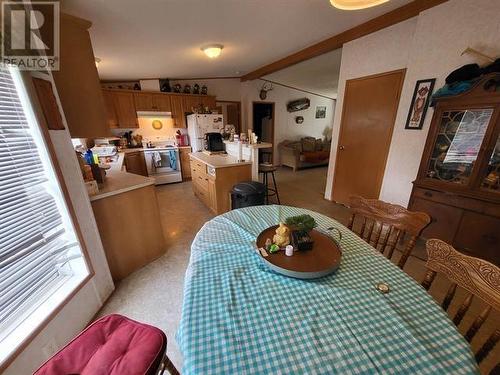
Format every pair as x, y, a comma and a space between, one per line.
419, 103
320, 111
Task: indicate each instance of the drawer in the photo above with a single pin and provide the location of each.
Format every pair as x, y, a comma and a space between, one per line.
200, 180
202, 194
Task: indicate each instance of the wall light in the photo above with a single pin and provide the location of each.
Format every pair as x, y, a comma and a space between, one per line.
213, 50
356, 4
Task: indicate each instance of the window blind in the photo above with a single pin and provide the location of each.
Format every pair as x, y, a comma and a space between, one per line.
36, 241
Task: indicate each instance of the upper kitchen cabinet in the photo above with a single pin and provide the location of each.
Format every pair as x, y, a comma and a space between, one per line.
143, 101
208, 101
77, 81
126, 112
177, 107
161, 102
111, 116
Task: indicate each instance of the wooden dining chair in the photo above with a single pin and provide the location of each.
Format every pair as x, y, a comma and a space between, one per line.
383, 225
477, 277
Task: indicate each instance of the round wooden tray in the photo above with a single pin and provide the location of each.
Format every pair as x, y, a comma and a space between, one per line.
323, 259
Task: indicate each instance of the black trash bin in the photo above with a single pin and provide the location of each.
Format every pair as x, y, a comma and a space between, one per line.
247, 194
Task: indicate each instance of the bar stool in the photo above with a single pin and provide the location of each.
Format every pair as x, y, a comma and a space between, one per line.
267, 168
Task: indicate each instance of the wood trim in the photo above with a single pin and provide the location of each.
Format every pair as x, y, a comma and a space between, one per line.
381, 22
27, 80
296, 88
341, 129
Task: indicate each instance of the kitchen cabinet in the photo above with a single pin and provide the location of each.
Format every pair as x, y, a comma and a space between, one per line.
458, 182
124, 106
178, 115
192, 102
161, 102
111, 117
208, 101
143, 102
135, 163
185, 162
77, 81
213, 185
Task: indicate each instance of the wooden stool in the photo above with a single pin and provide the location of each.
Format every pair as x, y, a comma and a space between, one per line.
267, 169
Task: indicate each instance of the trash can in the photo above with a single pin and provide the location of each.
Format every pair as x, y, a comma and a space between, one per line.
246, 194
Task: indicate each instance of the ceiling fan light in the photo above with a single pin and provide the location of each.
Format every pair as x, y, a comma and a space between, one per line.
356, 4
213, 50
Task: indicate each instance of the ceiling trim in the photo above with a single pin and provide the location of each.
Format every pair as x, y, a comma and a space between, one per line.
400, 14
170, 79
296, 88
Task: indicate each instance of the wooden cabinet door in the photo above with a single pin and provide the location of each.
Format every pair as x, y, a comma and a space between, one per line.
191, 102
111, 118
208, 101
185, 163
125, 109
48, 103
135, 163
161, 102
177, 109
143, 102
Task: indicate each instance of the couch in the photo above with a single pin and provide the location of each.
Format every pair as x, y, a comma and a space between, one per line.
304, 153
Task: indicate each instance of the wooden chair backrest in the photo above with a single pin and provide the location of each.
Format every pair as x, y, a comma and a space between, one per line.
384, 224
478, 277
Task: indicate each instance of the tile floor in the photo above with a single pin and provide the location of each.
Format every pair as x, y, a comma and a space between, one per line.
153, 294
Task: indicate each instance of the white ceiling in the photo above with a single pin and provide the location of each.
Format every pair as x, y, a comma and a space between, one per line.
319, 75
162, 38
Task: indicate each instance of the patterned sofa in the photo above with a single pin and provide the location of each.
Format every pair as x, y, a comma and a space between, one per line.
304, 153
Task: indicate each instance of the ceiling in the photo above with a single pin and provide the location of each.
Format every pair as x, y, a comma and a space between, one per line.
319, 75
162, 38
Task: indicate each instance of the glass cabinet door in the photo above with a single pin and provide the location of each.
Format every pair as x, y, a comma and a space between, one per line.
457, 145
492, 180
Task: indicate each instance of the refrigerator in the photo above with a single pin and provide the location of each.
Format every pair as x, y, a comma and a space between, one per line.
198, 125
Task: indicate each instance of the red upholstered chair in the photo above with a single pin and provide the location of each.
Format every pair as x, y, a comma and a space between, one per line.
112, 345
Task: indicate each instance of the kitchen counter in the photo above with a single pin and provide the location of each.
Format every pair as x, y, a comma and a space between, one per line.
218, 161
118, 182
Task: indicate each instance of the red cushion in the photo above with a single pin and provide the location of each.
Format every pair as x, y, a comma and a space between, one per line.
113, 344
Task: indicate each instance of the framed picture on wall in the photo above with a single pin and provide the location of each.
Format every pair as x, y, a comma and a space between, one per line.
419, 103
320, 111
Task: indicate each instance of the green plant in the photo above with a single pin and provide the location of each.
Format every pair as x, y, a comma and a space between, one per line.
301, 222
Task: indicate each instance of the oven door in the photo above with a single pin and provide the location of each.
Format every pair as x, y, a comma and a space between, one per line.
162, 162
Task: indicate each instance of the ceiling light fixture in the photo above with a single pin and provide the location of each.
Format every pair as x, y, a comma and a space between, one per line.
213, 50
356, 4
97, 61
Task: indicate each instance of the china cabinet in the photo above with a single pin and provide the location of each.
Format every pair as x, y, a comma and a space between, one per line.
458, 182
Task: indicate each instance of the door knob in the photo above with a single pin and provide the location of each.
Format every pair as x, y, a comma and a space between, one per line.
342, 147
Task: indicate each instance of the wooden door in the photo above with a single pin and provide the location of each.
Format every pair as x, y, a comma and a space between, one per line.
233, 115
368, 115
143, 102
178, 111
125, 109
161, 102
135, 163
111, 118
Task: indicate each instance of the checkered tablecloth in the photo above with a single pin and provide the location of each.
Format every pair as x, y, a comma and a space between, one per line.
238, 317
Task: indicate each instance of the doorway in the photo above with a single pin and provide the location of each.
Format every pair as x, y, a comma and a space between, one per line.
263, 127
368, 116
231, 113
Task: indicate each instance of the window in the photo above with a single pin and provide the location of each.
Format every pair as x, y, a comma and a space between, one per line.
41, 259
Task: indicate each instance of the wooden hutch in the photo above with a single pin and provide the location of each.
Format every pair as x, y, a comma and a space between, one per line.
458, 182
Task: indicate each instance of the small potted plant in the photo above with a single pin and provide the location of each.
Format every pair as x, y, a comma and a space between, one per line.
300, 226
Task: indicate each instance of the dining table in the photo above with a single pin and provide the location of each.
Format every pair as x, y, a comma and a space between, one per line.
240, 317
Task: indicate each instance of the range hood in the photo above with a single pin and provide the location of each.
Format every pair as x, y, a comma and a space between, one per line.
154, 114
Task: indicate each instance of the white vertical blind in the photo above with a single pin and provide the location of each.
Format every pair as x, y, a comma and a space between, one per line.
37, 241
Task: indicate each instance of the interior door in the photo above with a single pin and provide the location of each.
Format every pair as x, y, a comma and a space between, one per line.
369, 111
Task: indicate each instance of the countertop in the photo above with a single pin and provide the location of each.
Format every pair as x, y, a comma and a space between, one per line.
218, 161
118, 182
255, 145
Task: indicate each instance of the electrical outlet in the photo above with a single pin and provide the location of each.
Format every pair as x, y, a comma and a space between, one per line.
50, 348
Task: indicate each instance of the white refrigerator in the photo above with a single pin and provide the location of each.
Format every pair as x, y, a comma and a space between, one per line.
198, 125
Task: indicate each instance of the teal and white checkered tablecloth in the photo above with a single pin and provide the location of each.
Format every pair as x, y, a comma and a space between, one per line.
238, 317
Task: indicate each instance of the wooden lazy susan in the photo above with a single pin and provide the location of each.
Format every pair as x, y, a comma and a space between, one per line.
322, 260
